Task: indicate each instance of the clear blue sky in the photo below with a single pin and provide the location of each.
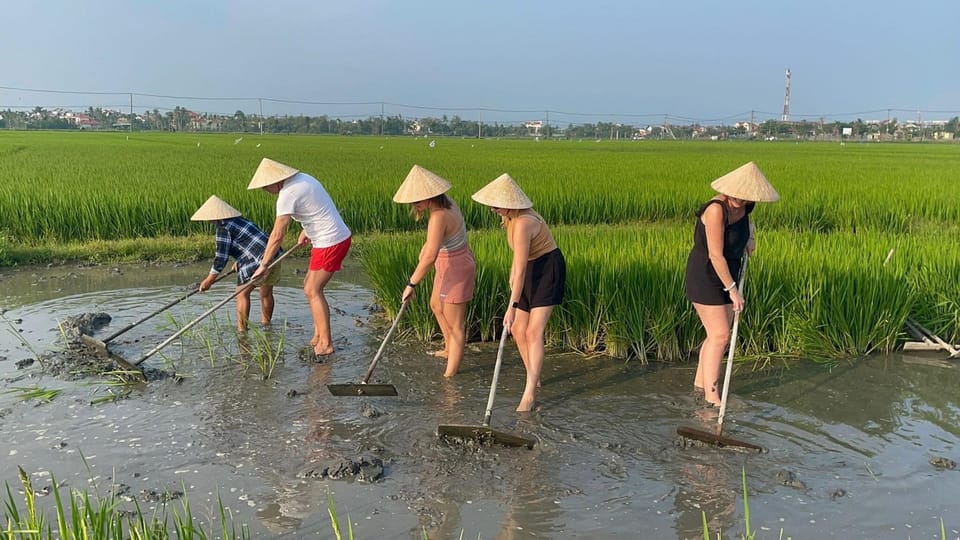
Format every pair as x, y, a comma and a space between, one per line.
696, 59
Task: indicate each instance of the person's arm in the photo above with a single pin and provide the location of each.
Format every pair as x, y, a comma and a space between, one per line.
714, 224
273, 244
523, 232
751, 242
428, 253
219, 260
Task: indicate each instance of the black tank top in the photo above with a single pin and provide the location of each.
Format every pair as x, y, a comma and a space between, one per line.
735, 236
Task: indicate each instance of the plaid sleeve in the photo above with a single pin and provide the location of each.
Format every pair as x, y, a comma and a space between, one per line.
223, 250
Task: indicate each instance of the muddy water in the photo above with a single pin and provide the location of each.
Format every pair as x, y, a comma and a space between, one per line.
862, 450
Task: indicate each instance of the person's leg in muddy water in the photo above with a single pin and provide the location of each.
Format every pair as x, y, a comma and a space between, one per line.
266, 305
450, 318
313, 286
528, 331
716, 321
266, 295
243, 308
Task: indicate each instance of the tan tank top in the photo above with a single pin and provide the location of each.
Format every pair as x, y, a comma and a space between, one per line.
541, 243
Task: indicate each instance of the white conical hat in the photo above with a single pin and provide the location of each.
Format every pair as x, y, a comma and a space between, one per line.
270, 172
746, 182
503, 193
215, 208
420, 185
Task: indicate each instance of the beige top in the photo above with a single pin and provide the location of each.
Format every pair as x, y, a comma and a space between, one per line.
541, 243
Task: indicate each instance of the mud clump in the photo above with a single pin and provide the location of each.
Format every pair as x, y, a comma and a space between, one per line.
369, 411
789, 479
364, 469
75, 362
152, 495
943, 464
73, 359
85, 323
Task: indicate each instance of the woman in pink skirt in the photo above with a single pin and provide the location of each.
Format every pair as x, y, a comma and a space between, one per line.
445, 249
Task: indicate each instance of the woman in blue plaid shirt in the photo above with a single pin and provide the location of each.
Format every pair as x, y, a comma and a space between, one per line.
239, 238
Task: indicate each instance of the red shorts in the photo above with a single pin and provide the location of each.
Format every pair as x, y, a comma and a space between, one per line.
329, 259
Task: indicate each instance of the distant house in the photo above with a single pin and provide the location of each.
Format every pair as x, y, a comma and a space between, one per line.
83, 121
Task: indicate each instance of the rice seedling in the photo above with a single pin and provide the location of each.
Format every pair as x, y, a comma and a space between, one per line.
82, 514
264, 352
26, 393
335, 522
15, 332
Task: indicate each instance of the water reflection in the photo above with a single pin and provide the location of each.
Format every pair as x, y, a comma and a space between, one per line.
704, 489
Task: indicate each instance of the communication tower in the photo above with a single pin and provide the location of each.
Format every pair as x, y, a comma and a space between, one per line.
786, 99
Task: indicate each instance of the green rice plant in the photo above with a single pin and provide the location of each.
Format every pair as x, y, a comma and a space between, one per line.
43, 395
825, 188
85, 515
392, 259
115, 386
15, 332
334, 522
266, 354
808, 295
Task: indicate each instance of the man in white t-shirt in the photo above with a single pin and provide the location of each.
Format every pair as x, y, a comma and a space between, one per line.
301, 198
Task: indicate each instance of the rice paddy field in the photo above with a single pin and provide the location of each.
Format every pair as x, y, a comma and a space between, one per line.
823, 283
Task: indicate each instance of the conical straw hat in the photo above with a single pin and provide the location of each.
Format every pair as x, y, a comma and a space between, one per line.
746, 182
215, 208
503, 193
420, 185
270, 172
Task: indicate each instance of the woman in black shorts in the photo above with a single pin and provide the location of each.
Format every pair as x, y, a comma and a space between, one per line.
538, 276
721, 236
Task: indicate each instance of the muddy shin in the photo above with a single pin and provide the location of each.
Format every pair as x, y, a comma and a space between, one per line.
373, 390
718, 438
483, 433
101, 346
207, 313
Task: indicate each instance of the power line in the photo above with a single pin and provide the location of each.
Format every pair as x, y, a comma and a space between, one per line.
451, 109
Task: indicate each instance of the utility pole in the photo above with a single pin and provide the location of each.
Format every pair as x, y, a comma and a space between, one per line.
131, 112
920, 123
547, 131
480, 124
260, 101
786, 100
381, 118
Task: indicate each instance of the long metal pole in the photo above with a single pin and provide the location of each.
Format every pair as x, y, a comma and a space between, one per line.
733, 346
207, 313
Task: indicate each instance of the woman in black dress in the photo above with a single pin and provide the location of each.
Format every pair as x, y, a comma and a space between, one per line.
721, 236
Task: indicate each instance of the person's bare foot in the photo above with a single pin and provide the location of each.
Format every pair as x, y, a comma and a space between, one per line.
322, 351
526, 405
442, 353
314, 340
